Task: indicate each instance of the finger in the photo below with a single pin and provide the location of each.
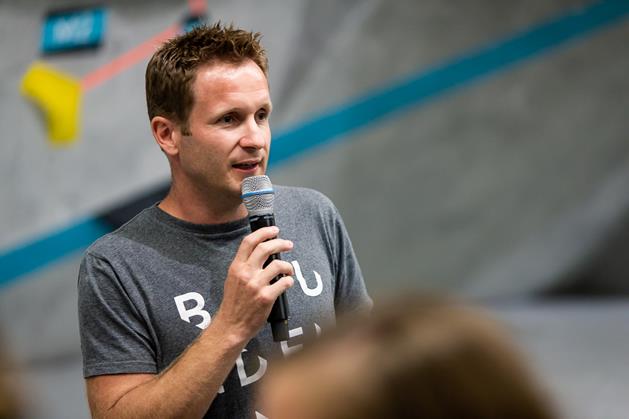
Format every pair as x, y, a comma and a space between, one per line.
251, 241
275, 268
274, 290
263, 250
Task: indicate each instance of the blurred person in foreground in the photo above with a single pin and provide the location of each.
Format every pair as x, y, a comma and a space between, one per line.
11, 395
415, 357
173, 305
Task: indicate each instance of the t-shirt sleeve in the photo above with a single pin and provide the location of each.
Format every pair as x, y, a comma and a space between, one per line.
350, 293
114, 337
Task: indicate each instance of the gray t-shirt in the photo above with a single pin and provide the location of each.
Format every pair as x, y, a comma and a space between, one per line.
148, 289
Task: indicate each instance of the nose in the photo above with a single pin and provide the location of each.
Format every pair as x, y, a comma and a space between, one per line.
254, 135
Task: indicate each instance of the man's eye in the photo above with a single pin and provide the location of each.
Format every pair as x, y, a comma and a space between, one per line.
227, 119
263, 115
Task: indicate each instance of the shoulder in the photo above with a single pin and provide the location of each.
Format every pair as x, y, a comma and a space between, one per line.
303, 198
105, 247
121, 239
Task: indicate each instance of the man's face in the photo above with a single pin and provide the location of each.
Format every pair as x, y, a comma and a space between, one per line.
229, 135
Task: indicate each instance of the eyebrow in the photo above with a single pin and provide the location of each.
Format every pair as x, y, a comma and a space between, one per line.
266, 105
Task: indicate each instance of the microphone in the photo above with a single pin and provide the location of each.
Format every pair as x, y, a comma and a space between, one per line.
258, 197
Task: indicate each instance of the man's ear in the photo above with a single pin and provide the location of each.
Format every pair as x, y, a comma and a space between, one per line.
166, 135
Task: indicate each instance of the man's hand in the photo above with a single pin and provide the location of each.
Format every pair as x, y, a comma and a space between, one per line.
249, 295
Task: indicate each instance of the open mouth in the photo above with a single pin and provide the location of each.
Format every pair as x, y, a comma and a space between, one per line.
246, 165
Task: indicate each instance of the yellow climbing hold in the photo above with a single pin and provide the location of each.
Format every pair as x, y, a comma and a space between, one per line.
59, 96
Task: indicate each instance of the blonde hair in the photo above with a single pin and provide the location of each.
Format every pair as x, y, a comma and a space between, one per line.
417, 357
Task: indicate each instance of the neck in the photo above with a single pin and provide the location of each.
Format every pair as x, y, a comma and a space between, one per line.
200, 207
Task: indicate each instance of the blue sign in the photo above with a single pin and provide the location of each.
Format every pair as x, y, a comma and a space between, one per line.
73, 29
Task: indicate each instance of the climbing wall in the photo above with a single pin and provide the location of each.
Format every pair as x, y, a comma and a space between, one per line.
472, 147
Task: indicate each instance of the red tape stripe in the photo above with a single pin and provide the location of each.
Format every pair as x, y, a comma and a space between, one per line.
128, 59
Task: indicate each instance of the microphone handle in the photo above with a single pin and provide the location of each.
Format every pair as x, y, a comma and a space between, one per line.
279, 312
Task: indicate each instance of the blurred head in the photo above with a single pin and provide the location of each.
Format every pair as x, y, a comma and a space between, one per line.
414, 358
11, 398
171, 71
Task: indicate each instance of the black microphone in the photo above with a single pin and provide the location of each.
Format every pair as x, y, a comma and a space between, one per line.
258, 196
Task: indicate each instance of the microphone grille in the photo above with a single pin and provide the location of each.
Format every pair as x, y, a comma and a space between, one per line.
258, 195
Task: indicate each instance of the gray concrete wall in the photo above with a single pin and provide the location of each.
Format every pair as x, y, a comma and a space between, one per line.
500, 188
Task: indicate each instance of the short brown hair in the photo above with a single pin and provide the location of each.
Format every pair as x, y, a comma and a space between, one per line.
172, 69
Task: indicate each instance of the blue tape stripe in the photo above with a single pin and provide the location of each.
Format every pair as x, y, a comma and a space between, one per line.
420, 88
357, 114
258, 192
40, 253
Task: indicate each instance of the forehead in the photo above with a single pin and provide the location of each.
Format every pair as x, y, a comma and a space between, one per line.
227, 84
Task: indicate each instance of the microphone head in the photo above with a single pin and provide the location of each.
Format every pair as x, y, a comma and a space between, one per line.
258, 195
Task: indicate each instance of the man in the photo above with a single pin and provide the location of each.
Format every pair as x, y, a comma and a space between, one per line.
174, 299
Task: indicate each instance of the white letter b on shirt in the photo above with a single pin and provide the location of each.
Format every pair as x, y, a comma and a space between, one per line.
197, 310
